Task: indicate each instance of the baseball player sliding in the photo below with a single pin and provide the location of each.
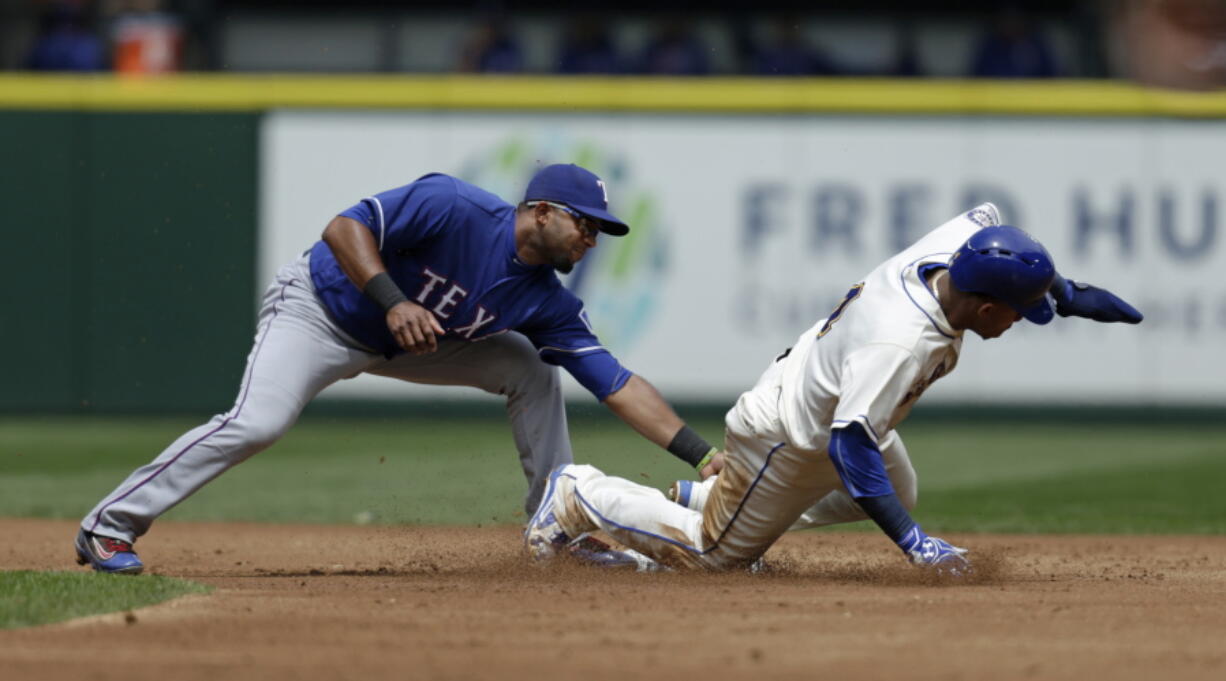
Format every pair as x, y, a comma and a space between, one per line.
814, 441
435, 282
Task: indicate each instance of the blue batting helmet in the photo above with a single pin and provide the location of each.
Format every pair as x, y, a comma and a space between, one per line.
1007, 264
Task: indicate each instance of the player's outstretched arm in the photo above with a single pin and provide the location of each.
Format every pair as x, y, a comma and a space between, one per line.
1077, 299
920, 548
859, 465
642, 407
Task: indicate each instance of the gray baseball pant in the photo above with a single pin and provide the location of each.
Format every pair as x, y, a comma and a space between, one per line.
298, 352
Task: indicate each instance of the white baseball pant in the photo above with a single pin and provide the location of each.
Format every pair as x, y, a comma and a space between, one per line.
765, 489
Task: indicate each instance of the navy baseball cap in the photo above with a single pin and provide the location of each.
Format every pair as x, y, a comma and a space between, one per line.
579, 189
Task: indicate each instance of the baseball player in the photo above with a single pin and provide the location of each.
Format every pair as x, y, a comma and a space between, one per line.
814, 441
435, 282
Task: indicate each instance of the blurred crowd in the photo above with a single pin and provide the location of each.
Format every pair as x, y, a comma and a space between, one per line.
1011, 46
124, 35
1170, 43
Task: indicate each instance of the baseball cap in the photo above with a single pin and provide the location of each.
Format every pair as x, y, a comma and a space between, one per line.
1008, 264
578, 188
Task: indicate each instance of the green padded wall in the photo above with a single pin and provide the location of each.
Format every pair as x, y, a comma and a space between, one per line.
132, 246
40, 269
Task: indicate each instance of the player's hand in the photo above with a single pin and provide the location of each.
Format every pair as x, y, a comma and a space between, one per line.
1076, 299
414, 328
714, 467
936, 553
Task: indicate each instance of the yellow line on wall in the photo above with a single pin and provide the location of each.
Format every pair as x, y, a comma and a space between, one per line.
256, 92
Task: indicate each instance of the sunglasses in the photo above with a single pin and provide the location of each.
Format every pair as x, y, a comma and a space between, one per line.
588, 226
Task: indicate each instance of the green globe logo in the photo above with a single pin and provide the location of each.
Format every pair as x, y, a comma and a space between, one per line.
618, 280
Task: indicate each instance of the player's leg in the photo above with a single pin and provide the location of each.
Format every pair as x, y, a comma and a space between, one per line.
761, 490
837, 506
581, 498
296, 353
506, 364
764, 487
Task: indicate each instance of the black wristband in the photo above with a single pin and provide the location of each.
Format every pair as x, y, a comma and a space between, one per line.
688, 446
384, 291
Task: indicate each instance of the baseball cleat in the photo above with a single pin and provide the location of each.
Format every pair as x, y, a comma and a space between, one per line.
691, 494
544, 537
106, 554
592, 551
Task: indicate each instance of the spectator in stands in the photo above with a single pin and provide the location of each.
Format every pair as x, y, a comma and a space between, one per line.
675, 51
492, 49
65, 40
1012, 47
787, 53
147, 37
588, 48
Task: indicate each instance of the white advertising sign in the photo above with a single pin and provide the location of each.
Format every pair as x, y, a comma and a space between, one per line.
747, 229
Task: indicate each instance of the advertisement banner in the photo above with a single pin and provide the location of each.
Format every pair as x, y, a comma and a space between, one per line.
748, 229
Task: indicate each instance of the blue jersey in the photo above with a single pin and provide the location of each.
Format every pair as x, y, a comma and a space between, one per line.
450, 246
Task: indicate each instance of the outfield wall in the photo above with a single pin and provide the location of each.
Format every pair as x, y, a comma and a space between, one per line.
754, 205
129, 261
747, 229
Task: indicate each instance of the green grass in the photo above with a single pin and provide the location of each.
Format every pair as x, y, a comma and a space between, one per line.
1184, 497
32, 598
996, 476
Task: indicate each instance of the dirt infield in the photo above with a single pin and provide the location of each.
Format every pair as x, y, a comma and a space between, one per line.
296, 602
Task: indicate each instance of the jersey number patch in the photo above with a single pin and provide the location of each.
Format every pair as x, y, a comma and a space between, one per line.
838, 311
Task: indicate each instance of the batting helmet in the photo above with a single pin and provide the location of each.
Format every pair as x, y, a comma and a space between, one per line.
1007, 264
